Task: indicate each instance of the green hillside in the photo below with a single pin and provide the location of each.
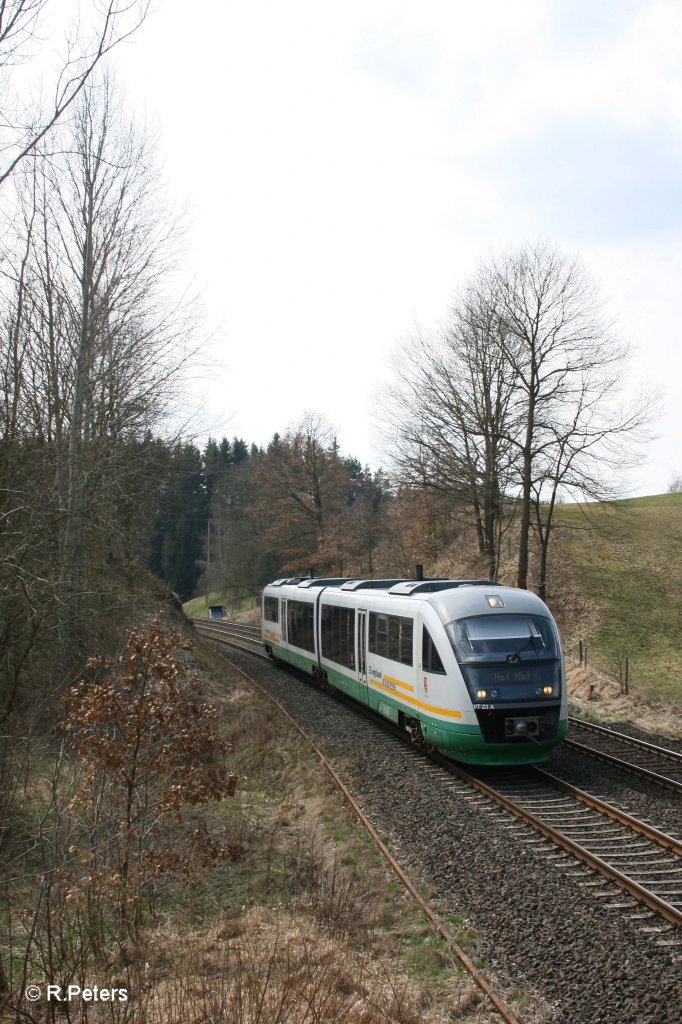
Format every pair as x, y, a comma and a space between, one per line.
198, 606
623, 588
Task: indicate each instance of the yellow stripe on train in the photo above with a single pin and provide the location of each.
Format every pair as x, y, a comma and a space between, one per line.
397, 682
445, 712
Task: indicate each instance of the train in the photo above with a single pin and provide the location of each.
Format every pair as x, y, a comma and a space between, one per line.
471, 668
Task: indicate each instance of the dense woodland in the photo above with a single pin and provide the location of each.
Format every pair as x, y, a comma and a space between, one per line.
234, 516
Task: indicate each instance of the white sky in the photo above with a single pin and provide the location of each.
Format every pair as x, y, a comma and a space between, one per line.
346, 165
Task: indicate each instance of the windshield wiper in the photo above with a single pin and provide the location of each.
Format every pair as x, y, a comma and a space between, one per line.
516, 656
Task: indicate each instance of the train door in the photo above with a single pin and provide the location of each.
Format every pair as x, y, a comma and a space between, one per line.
283, 619
362, 649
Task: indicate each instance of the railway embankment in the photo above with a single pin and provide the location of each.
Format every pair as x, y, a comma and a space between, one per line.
599, 697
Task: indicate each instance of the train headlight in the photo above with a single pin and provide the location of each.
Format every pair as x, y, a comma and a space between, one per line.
481, 694
548, 690
494, 693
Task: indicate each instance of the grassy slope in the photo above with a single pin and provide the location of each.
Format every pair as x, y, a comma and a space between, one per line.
627, 578
198, 606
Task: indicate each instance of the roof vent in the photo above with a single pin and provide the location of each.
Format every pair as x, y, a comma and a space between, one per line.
370, 584
320, 581
409, 587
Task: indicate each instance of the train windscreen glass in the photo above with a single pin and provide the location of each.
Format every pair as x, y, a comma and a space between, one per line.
507, 657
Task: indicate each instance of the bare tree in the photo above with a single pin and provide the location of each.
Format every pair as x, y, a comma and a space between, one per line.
454, 437
22, 23
92, 349
301, 480
587, 452
566, 366
125, 340
26, 521
518, 397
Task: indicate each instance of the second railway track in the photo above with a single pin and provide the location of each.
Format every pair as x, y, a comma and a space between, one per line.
235, 634
657, 764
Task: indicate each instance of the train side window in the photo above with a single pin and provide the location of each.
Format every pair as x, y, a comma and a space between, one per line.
338, 634
430, 657
378, 634
300, 627
391, 637
405, 646
394, 645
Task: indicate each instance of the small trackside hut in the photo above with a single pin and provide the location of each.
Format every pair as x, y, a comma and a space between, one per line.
470, 667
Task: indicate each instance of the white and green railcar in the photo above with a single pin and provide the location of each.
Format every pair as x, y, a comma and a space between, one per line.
469, 667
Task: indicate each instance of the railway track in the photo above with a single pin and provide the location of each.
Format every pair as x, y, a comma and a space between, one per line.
640, 860
540, 913
656, 764
234, 634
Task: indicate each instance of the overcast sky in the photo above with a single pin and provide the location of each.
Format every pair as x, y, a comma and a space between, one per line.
346, 166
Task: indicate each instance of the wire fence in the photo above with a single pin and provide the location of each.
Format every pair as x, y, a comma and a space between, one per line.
622, 676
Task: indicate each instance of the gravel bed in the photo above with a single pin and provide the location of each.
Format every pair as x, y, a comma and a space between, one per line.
538, 914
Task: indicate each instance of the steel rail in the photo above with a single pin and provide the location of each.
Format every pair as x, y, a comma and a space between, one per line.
223, 636
220, 621
655, 903
664, 754
237, 628
632, 741
622, 817
479, 979
625, 766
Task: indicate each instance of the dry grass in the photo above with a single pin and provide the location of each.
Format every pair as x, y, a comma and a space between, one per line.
301, 923
277, 965
600, 698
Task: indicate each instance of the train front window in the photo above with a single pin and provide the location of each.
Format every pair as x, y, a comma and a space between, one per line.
507, 657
